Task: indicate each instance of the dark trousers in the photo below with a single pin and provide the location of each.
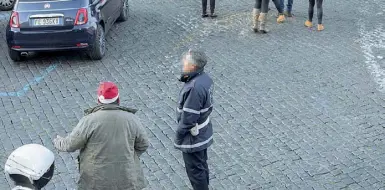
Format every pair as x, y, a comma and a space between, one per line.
204, 6
262, 4
197, 169
277, 4
288, 6
319, 10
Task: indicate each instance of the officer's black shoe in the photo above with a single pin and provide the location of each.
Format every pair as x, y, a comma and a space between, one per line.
212, 15
205, 15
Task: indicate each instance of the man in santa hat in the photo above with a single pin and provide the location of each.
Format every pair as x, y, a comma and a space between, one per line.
111, 139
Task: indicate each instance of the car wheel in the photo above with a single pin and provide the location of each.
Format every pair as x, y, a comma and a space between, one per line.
98, 49
124, 13
14, 55
6, 5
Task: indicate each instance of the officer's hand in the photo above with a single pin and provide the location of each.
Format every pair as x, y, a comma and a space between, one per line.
178, 141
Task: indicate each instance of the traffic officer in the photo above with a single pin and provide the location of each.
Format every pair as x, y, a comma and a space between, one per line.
195, 133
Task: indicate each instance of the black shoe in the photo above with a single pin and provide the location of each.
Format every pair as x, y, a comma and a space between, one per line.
212, 15
205, 15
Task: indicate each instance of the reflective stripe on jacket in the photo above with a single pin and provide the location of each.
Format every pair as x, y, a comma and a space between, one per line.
21, 188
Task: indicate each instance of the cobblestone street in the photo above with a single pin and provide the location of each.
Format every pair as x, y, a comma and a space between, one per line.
294, 109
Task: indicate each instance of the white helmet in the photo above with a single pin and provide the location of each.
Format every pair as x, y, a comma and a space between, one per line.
30, 165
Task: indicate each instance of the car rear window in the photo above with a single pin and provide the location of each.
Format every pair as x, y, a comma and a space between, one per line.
37, 5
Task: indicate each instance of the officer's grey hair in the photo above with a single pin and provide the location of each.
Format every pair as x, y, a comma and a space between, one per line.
195, 57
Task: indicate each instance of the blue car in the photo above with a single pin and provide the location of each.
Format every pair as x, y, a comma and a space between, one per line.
53, 25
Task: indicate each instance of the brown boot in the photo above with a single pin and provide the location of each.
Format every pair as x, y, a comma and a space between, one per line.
320, 27
281, 18
256, 13
308, 24
262, 22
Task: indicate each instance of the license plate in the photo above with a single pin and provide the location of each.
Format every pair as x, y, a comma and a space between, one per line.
46, 22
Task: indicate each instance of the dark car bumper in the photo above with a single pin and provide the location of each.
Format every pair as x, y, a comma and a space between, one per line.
73, 39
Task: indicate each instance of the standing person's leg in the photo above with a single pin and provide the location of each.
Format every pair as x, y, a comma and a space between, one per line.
195, 164
281, 4
277, 4
258, 4
205, 158
265, 6
311, 10
309, 23
289, 7
256, 13
262, 17
212, 9
281, 18
320, 14
187, 158
204, 8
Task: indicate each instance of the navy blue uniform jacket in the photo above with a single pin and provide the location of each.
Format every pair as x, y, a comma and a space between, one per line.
195, 132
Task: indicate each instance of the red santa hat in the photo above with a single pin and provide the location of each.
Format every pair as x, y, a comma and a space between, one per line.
108, 93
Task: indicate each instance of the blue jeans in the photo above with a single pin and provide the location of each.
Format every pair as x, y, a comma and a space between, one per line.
288, 6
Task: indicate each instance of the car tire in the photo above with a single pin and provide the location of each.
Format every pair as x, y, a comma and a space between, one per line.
8, 6
124, 12
14, 55
98, 49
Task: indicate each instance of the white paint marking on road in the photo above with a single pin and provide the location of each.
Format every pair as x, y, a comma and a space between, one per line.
369, 40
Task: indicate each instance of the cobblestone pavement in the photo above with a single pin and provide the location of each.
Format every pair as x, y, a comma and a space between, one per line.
295, 109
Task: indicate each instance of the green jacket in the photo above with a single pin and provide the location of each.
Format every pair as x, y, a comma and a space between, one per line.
111, 139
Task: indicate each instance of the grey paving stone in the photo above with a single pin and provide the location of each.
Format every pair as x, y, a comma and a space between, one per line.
295, 109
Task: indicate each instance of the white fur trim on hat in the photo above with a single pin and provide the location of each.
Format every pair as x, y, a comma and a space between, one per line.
107, 101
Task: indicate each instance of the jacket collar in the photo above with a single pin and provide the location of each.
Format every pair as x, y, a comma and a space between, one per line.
108, 107
186, 77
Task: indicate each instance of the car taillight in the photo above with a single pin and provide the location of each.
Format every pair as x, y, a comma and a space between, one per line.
81, 17
14, 21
